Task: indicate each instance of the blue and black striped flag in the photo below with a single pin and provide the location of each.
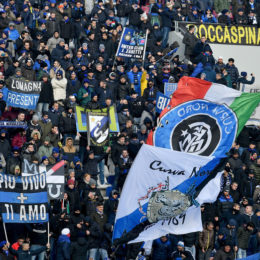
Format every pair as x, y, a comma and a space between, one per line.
23, 199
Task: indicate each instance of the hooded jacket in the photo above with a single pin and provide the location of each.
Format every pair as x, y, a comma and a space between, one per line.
63, 248
59, 88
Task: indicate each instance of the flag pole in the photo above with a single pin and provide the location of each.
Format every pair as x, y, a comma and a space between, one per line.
146, 35
118, 47
48, 231
5, 233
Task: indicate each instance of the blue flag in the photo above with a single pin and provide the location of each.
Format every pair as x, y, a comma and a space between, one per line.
161, 102
169, 88
24, 199
132, 44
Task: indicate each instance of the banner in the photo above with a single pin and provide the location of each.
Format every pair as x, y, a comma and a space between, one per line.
54, 177
24, 199
23, 94
13, 124
255, 117
223, 34
154, 170
161, 102
81, 118
132, 44
98, 128
169, 88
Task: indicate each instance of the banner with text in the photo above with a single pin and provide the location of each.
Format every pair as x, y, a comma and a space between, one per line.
132, 44
169, 88
154, 170
161, 102
24, 199
223, 34
255, 117
54, 177
13, 124
23, 93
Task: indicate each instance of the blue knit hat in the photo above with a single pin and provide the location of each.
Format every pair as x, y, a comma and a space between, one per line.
44, 157
55, 150
2, 243
243, 74
76, 159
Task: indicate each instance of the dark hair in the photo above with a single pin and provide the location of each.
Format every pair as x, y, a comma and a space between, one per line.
231, 59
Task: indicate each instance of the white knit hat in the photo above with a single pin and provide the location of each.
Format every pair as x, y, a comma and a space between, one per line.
65, 231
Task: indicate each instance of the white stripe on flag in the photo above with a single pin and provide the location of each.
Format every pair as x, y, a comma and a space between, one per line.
55, 179
218, 93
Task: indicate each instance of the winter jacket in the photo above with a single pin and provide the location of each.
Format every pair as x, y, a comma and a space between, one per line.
57, 53
28, 73
178, 255
66, 30
59, 88
52, 26
84, 100
167, 16
93, 239
52, 43
73, 87
100, 219
44, 151
18, 140
220, 5
26, 255
243, 235
46, 94
63, 248
137, 83
46, 128
67, 124
79, 249
189, 40
222, 255
206, 239
69, 151
233, 72
161, 250
134, 16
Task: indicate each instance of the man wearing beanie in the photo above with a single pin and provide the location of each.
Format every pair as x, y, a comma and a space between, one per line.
63, 245
181, 253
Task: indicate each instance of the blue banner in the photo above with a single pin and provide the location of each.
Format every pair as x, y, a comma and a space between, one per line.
132, 44
23, 94
23, 199
161, 102
169, 88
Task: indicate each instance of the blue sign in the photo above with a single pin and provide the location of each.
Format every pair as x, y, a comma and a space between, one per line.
169, 88
199, 127
132, 44
161, 102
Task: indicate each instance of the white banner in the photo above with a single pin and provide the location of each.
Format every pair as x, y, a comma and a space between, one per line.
255, 117
156, 169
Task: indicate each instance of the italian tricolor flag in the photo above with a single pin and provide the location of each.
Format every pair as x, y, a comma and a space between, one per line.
243, 104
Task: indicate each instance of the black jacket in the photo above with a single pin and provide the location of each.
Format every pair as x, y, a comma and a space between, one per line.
66, 30
79, 249
67, 124
46, 94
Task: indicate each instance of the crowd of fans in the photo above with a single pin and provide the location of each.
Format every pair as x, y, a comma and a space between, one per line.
73, 53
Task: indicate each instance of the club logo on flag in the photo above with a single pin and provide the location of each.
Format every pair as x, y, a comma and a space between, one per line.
199, 127
98, 128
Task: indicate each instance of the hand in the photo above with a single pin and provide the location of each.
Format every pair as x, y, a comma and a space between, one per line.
87, 233
85, 95
235, 248
203, 250
88, 148
108, 149
216, 218
79, 226
48, 245
183, 256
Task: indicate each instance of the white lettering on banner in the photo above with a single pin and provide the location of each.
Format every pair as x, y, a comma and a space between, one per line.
7, 206
34, 182
58, 192
26, 86
29, 167
195, 107
162, 102
7, 181
22, 99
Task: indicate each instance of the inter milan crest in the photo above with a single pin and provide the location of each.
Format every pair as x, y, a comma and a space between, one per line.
98, 128
199, 127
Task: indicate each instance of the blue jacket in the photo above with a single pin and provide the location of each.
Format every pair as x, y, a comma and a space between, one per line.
161, 250
63, 248
137, 87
